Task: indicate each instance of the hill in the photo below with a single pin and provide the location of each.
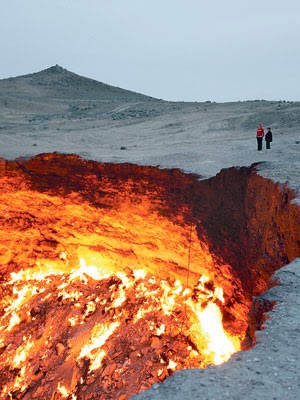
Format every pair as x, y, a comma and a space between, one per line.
59, 83
48, 98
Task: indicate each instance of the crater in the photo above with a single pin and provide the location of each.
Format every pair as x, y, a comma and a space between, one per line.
113, 276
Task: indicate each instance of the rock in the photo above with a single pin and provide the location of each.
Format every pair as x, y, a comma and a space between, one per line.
35, 311
156, 343
109, 370
60, 348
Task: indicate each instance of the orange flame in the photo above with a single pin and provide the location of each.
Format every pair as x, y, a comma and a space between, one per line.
98, 296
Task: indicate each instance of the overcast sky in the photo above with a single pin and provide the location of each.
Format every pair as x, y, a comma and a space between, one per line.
191, 50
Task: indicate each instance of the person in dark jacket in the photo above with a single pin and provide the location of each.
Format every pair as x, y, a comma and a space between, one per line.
260, 133
268, 138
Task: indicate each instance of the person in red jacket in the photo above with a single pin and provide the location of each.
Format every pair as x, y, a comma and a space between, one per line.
260, 133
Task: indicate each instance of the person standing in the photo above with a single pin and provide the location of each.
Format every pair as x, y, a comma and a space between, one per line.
260, 133
268, 138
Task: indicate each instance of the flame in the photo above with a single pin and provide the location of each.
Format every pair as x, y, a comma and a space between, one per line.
22, 352
220, 346
63, 391
21, 295
97, 299
159, 296
99, 335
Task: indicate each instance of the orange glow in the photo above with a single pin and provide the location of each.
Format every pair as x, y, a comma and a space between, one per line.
220, 345
94, 296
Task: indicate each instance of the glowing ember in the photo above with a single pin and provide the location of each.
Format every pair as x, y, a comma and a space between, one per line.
101, 302
157, 311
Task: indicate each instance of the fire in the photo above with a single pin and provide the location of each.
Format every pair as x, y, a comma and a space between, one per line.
104, 301
159, 303
220, 345
99, 335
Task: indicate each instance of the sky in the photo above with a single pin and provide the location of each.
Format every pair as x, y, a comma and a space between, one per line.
180, 50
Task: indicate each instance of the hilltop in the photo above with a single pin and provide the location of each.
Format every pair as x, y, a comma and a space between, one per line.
54, 95
59, 83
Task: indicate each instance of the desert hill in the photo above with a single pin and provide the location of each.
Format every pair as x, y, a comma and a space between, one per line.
61, 84
54, 94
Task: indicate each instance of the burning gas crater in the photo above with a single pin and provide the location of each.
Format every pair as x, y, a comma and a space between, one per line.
110, 279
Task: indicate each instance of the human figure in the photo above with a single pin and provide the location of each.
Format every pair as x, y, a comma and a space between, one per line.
268, 138
260, 133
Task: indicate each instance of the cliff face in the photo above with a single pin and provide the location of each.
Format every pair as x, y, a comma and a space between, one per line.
111, 271
251, 222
